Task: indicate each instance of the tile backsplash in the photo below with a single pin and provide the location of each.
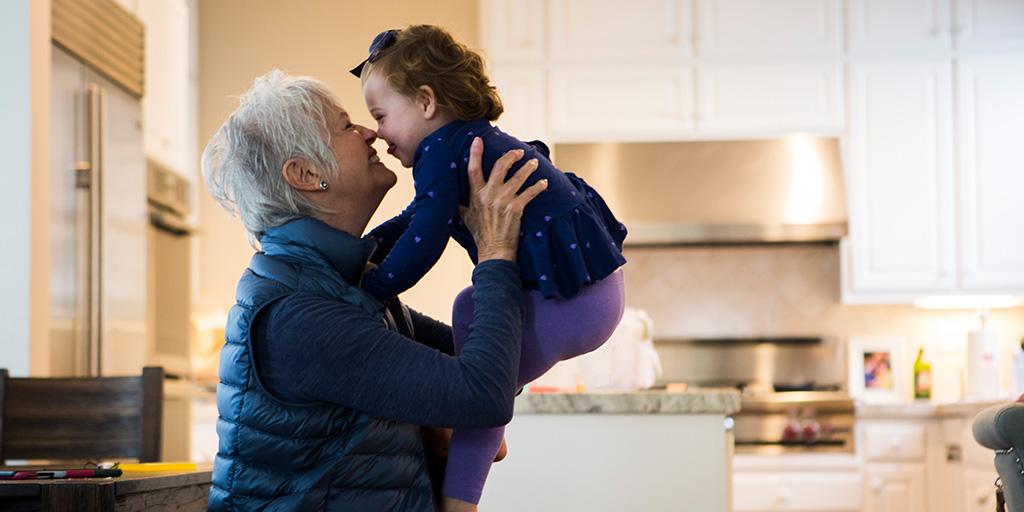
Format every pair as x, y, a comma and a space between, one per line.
792, 290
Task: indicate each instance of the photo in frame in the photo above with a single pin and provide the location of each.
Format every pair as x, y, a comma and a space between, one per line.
878, 369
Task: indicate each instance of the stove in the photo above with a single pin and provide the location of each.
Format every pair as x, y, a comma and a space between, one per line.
792, 391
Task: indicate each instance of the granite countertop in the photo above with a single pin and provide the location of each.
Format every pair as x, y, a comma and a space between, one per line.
924, 409
692, 401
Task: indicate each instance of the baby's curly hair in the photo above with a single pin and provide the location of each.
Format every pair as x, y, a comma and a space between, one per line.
429, 55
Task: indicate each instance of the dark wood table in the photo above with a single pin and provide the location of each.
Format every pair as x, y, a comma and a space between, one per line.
133, 491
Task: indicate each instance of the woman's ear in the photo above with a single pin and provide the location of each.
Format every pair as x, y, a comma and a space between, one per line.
300, 174
427, 101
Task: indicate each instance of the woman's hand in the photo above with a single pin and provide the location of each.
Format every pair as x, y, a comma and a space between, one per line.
494, 207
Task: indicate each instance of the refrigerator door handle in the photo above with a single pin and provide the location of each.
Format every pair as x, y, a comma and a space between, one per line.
92, 176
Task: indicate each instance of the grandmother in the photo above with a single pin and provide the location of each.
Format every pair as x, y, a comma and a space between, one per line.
323, 389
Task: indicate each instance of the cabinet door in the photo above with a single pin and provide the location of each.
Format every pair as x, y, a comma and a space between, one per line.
759, 98
513, 31
824, 491
990, 99
885, 26
165, 103
790, 28
522, 94
980, 490
603, 29
638, 102
900, 176
895, 488
989, 24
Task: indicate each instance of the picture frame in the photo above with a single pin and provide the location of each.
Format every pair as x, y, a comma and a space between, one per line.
878, 370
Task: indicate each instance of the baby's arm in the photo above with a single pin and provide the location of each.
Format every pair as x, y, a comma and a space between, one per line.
420, 246
388, 233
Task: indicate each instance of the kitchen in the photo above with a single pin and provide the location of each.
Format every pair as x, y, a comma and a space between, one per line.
919, 96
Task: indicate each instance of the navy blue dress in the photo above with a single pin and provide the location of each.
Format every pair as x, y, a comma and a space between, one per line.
569, 236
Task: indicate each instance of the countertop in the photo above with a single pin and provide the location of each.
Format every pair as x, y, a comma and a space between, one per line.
693, 401
925, 409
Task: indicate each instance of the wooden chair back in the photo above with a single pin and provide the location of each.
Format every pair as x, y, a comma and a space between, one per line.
88, 418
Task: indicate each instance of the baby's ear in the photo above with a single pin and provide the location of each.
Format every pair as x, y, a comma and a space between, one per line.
427, 101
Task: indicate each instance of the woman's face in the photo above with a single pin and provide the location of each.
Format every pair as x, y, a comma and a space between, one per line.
361, 175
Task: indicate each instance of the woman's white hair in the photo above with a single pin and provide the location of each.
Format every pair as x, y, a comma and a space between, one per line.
279, 118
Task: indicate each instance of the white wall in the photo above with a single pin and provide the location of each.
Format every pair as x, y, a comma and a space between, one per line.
242, 39
24, 125
15, 218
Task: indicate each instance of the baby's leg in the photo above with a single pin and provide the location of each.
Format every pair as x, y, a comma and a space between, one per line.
553, 330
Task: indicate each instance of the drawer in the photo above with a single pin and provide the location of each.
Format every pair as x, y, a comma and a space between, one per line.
895, 442
804, 490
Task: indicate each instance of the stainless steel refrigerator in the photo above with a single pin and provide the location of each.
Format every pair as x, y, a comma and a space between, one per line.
98, 223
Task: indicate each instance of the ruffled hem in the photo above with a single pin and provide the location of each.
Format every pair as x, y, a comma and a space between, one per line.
560, 255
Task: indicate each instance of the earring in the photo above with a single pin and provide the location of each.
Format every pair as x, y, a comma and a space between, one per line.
323, 185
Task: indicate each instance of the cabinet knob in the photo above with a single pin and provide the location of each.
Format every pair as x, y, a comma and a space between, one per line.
982, 495
876, 485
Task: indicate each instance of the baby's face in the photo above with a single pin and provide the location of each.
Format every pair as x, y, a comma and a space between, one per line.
401, 121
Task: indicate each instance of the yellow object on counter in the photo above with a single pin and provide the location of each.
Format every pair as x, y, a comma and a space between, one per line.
158, 466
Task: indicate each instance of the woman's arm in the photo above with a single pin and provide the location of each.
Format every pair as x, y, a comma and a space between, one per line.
315, 349
432, 333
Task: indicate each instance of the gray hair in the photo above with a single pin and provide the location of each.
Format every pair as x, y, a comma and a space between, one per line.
279, 118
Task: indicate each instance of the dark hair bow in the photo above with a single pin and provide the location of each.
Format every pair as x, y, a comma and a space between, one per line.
380, 43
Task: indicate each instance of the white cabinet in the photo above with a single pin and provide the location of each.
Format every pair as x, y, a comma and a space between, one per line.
514, 29
609, 29
979, 491
991, 171
899, 162
895, 488
522, 94
637, 102
989, 24
786, 28
758, 98
898, 26
817, 490
165, 105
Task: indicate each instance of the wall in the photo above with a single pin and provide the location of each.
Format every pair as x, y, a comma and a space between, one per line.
791, 291
242, 39
24, 207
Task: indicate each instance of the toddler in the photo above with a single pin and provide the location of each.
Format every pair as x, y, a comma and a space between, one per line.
431, 98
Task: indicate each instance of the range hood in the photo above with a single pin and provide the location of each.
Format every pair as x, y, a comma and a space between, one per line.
781, 190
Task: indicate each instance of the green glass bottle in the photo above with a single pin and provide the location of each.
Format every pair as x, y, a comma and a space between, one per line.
922, 377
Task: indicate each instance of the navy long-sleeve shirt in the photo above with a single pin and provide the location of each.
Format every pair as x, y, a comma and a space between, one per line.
309, 348
569, 236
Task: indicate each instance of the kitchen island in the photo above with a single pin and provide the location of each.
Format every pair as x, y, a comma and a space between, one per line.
649, 450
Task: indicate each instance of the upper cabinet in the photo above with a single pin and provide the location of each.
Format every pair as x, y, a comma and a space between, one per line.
899, 165
589, 103
925, 95
601, 30
514, 30
989, 25
757, 97
784, 28
898, 26
990, 103
165, 105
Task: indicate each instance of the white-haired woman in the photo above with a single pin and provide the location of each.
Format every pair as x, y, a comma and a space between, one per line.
323, 388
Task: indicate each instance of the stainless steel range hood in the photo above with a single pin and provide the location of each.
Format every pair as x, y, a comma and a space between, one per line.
781, 190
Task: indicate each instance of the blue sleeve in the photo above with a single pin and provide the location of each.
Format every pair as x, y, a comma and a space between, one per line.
389, 232
309, 348
435, 207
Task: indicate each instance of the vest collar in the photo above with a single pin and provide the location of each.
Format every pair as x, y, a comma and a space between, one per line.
308, 238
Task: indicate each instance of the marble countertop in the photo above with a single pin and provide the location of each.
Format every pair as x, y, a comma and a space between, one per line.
692, 401
924, 409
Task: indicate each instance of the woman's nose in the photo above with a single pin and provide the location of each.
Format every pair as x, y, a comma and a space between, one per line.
369, 135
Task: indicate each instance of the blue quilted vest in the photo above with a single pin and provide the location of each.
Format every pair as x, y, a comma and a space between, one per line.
317, 456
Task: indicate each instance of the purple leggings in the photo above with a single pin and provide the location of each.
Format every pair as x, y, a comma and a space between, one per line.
553, 331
